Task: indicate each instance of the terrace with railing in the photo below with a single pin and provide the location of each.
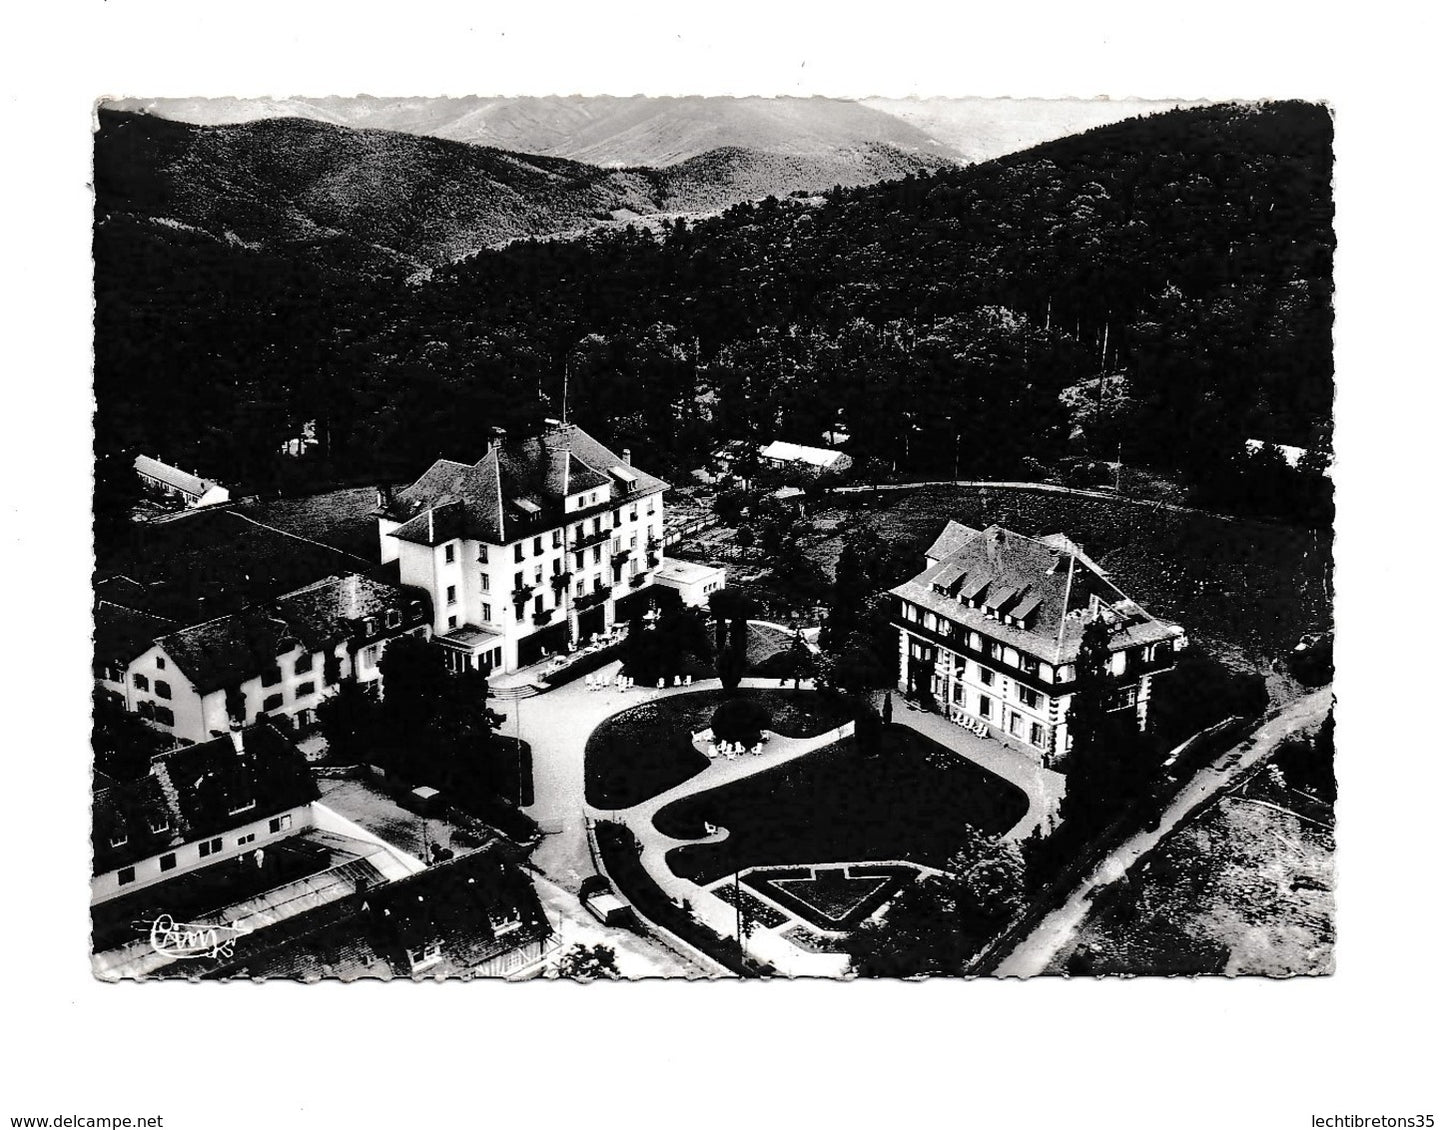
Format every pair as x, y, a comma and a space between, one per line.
596, 537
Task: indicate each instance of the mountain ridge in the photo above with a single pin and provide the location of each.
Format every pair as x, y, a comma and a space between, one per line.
427, 200
609, 131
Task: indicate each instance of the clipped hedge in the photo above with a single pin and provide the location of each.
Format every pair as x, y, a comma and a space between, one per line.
618, 849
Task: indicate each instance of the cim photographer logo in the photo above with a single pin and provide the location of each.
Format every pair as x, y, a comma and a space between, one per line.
189, 939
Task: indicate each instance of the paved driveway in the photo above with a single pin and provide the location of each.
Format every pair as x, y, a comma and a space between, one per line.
557, 725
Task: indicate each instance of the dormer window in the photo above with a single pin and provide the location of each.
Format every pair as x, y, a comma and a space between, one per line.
119, 838
244, 806
393, 618
415, 609
368, 626
423, 956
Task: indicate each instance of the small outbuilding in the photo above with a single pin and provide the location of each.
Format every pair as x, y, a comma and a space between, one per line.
692, 581
175, 483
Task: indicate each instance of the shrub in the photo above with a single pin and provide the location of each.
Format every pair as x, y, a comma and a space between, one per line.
1199, 692
740, 720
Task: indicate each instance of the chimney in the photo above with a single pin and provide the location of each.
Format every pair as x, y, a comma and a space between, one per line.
495, 438
352, 593
556, 437
627, 456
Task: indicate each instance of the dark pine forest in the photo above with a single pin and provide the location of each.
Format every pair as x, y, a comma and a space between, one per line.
1159, 288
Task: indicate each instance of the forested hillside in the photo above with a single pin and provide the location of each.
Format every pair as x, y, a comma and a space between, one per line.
939, 318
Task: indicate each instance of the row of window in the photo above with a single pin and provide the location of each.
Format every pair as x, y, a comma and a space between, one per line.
162, 689
154, 712
1017, 725
206, 848
994, 649
985, 675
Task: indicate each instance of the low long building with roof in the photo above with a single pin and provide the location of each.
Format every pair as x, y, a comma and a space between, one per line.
992, 626
543, 542
190, 488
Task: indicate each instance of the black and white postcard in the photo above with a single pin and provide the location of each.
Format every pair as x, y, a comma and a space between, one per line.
684, 537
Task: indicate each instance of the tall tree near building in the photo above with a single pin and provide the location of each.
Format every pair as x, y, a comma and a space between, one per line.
349, 718
1110, 763
732, 661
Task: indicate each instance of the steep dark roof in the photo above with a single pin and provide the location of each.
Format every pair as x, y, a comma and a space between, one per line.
192, 793
1048, 584
207, 562
123, 633
456, 906
227, 651
514, 489
953, 536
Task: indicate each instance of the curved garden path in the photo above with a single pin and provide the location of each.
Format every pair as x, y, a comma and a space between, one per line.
558, 724
767, 945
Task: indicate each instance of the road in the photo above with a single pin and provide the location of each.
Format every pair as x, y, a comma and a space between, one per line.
1032, 956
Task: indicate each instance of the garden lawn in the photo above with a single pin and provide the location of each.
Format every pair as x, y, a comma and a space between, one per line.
838, 805
764, 643
647, 750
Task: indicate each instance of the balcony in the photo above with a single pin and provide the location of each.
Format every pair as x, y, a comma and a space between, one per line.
620, 556
596, 537
638, 581
543, 617
522, 595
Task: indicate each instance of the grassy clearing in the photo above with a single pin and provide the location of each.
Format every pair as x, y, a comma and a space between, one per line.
1241, 586
1246, 890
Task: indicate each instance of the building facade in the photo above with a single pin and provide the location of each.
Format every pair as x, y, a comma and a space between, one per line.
276, 660
991, 629
198, 806
542, 544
